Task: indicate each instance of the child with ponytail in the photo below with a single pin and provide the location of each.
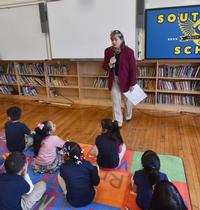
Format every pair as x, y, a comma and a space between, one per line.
47, 158
78, 177
144, 181
109, 146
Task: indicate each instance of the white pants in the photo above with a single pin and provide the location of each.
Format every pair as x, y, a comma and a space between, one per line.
61, 182
117, 96
122, 153
28, 201
28, 142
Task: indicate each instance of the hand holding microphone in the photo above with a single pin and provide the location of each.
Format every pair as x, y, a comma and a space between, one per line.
112, 62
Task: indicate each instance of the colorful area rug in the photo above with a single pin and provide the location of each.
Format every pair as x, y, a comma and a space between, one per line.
114, 191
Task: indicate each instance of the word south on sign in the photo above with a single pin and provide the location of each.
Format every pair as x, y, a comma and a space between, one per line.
175, 32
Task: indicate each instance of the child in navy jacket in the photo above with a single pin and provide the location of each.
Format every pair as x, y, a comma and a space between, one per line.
17, 190
78, 177
18, 136
144, 180
109, 146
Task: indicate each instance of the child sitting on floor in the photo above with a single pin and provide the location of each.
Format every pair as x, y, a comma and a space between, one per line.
167, 197
45, 146
17, 191
18, 135
109, 146
144, 180
77, 176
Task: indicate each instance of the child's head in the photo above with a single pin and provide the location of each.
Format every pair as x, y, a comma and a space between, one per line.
43, 129
107, 125
73, 152
151, 164
166, 196
15, 163
14, 113
111, 129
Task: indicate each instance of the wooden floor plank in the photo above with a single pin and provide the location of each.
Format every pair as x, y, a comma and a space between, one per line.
166, 133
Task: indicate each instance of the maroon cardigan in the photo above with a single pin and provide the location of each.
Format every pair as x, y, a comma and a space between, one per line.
126, 71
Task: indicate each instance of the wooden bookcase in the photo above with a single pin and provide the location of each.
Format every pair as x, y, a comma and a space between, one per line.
60, 80
152, 72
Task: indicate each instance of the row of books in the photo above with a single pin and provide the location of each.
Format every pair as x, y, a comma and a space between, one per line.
187, 71
60, 69
53, 81
179, 71
178, 99
31, 69
185, 85
8, 90
103, 73
8, 79
32, 81
29, 91
7, 69
146, 71
150, 99
147, 84
100, 83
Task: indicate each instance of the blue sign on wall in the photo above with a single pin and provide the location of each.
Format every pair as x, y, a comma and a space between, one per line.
173, 33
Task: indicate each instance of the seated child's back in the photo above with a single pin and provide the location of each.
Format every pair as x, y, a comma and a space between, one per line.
47, 159
79, 175
109, 145
15, 131
167, 197
15, 185
146, 178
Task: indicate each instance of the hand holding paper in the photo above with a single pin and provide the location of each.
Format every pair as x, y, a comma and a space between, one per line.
136, 95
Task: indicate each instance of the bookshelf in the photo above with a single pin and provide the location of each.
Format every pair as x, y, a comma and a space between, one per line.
176, 84
62, 80
31, 78
8, 79
172, 85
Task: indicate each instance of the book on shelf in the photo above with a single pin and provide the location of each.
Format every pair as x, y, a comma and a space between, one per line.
147, 84
100, 83
8, 90
187, 71
29, 91
178, 99
54, 81
150, 99
182, 86
32, 69
7, 68
103, 73
8, 79
62, 69
27, 80
146, 71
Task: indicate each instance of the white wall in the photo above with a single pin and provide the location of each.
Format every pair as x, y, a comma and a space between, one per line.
169, 3
21, 36
81, 28
11, 2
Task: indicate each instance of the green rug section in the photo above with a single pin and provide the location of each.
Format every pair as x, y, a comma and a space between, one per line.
170, 165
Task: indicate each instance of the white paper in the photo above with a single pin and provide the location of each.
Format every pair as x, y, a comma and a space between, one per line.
136, 95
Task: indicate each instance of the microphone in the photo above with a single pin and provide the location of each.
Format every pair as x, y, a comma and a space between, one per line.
114, 53
114, 63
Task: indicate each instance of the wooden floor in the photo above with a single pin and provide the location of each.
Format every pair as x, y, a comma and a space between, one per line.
166, 133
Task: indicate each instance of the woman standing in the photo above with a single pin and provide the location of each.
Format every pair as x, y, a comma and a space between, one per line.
120, 62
